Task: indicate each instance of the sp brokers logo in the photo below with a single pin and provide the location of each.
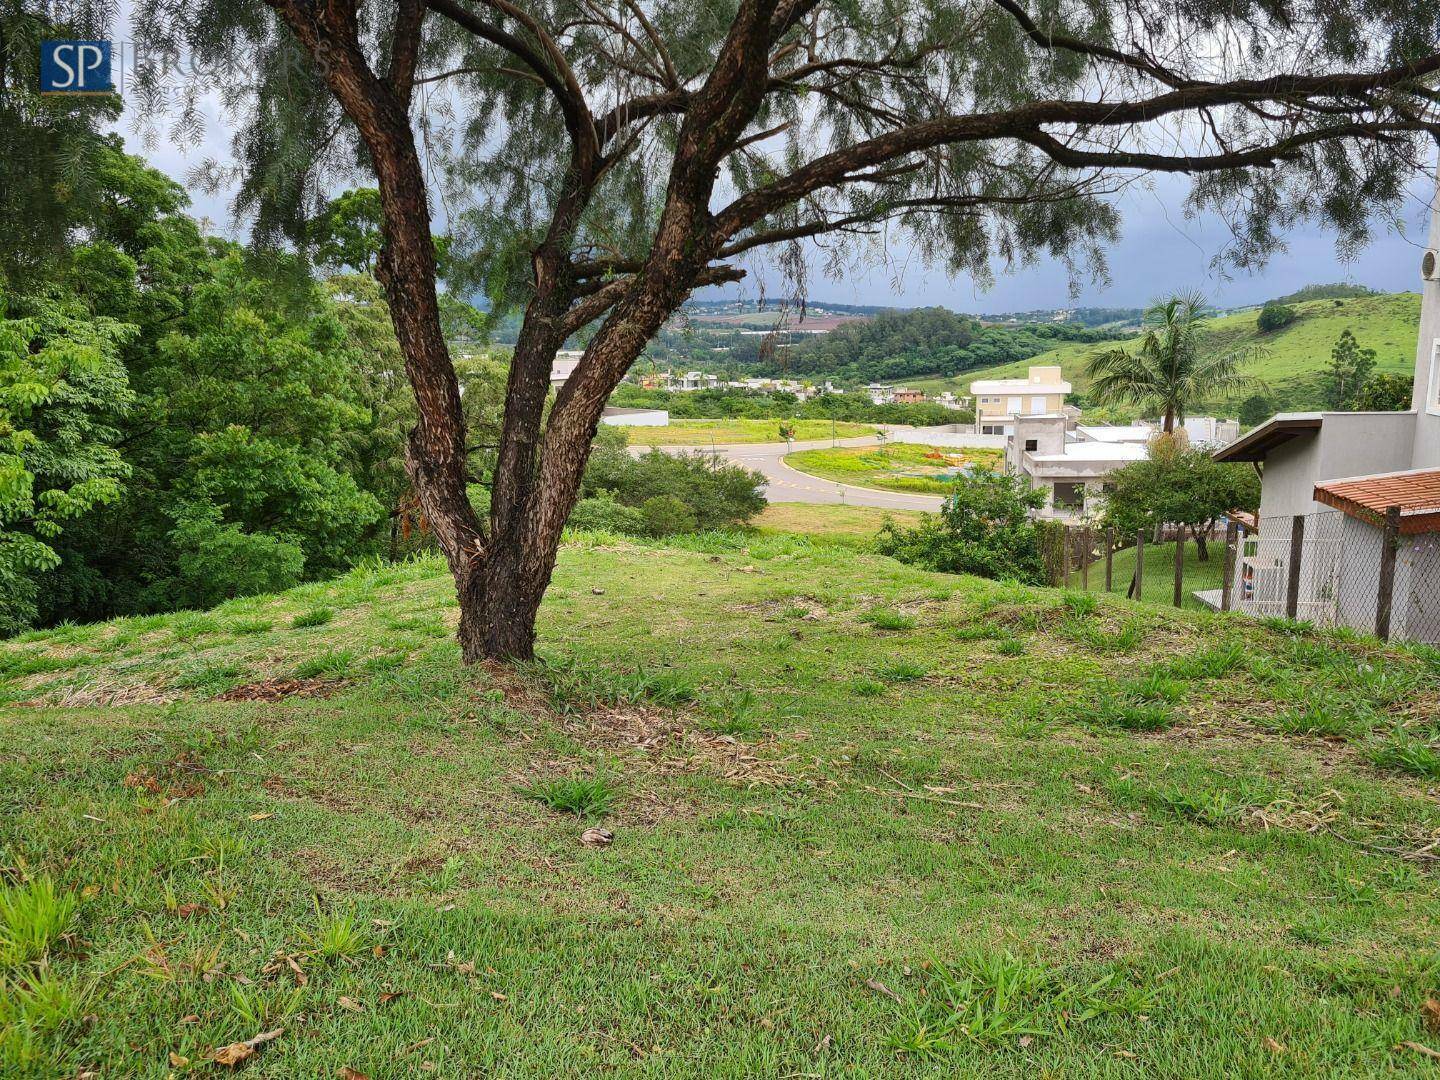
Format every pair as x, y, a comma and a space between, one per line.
75, 67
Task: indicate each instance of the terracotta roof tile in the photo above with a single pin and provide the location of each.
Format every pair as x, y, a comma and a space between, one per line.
1415, 491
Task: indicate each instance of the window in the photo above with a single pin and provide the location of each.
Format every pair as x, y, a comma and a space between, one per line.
1432, 405
992, 429
1070, 496
1014, 405
1031, 445
1037, 404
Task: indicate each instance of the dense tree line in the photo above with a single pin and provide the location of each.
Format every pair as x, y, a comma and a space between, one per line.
925, 341
732, 403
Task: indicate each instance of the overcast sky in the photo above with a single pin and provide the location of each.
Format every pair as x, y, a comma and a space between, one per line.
1161, 251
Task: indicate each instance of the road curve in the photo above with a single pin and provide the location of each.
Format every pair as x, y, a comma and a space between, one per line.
785, 484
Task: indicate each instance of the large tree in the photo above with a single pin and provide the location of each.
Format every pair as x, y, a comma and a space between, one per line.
603, 160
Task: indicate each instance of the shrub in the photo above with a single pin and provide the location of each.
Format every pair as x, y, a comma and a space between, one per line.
716, 495
603, 514
983, 529
665, 515
1274, 317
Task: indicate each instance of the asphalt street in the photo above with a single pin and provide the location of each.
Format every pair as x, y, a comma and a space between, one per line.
784, 484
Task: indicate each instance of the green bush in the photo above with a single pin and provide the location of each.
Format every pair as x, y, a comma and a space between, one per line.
1274, 317
666, 515
983, 529
604, 514
715, 495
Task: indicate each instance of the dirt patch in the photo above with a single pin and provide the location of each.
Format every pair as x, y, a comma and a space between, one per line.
280, 689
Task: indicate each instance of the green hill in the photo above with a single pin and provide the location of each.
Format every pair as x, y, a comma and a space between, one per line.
866, 821
1297, 354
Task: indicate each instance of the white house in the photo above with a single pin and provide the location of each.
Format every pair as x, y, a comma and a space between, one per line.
1341, 471
1070, 461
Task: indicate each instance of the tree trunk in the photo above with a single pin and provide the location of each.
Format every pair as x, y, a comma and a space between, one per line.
1202, 551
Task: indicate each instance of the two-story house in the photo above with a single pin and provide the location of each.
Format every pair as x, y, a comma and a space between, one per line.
999, 401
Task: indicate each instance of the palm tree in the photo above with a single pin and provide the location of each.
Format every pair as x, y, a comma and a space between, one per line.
1169, 372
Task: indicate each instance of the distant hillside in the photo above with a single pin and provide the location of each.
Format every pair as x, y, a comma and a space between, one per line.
1385, 322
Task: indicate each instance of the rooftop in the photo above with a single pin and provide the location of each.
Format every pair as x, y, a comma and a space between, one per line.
1106, 433
1097, 451
1279, 429
1018, 386
1415, 491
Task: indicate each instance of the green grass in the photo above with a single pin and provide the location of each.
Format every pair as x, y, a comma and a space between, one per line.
830, 521
905, 467
1159, 584
1298, 353
704, 432
837, 850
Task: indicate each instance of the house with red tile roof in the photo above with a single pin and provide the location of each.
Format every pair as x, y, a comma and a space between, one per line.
1360, 464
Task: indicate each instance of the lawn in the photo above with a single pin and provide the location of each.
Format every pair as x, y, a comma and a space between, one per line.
1159, 584
867, 821
906, 467
832, 522
1296, 354
705, 432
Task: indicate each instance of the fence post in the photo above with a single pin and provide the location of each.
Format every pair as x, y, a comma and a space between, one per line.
1227, 586
1140, 565
1385, 599
1297, 547
1179, 565
1109, 557
1065, 554
1085, 559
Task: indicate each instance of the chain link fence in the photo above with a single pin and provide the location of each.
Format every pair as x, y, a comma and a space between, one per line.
1333, 569
1326, 567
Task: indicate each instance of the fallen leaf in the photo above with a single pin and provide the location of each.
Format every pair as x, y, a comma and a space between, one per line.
498, 996
190, 1018
390, 995
823, 1044
417, 1045
1419, 1049
177, 1061
186, 910
237, 1052
597, 836
260, 817
1126, 1054
1274, 1046
1024, 1041
345, 1072
349, 1003
880, 988
1431, 1012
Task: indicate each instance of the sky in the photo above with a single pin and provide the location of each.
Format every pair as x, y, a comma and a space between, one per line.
1160, 251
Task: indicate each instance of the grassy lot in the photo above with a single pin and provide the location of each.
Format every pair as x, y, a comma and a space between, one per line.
841, 523
1159, 583
896, 467
1297, 354
704, 432
867, 822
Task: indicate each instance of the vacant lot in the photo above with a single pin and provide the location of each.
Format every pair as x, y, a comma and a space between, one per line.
841, 523
867, 821
720, 432
896, 467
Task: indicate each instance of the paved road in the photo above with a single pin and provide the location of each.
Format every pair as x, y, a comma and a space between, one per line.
784, 484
